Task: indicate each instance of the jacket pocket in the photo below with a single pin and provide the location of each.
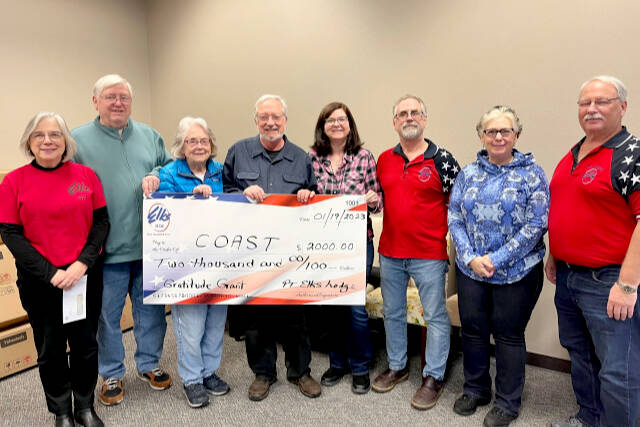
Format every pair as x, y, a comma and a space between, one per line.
293, 179
249, 176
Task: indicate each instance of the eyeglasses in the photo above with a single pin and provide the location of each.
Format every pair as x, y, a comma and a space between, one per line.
492, 133
124, 99
194, 141
277, 118
600, 102
53, 136
404, 115
342, 120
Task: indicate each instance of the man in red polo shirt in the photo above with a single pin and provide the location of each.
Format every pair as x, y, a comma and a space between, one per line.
416, 177
594, 238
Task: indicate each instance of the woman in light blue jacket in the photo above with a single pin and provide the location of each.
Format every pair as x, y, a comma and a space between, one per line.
198, 328
497, 217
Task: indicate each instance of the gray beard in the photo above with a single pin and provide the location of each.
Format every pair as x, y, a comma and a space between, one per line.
276, 138
410, 132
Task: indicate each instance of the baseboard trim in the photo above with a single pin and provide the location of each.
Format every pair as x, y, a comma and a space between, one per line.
533, 359
549, 362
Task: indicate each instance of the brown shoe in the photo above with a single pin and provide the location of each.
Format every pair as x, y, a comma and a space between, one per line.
111, 392
387, 380
259, 388
427, 395
308, 386
157, 379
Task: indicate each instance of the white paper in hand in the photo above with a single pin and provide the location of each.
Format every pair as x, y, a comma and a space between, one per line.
74, 302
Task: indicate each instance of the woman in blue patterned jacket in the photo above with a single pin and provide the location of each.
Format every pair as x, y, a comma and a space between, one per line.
497, 217
198, 328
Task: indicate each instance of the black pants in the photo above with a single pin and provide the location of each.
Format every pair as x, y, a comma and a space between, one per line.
267, 324
504, 311
63, 376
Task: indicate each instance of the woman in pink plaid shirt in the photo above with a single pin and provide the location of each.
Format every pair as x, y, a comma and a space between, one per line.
342, 166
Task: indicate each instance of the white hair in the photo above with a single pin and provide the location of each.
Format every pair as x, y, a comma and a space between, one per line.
266, 97
183, 128
499, 111
109, 80
70, 147
620, 87
409, 96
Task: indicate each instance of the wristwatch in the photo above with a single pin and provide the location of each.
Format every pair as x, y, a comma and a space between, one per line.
627, 289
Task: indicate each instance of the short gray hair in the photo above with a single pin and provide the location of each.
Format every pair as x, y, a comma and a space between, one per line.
110, 80
266, 97
499, 111
620, 87
409, 96
183, 128
70, 147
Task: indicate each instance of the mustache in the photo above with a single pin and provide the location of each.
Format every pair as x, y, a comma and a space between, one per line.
409, 125
593, 116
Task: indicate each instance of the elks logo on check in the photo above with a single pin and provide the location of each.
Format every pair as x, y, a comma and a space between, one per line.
159, 217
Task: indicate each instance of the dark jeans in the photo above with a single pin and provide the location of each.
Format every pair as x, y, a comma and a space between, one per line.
63, 376
504, 311
265, 324
349, 333
605, 353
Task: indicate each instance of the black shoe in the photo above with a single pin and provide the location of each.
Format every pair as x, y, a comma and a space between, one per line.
331, 377
496, 417
360, 384
467, 405
88, 418
65, 420
196, 395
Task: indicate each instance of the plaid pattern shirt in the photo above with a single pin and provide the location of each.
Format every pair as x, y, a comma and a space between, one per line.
356, 176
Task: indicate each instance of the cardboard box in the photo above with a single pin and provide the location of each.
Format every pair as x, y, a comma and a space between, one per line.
17, 350
2, 174
8, 273
126, 321
11, 311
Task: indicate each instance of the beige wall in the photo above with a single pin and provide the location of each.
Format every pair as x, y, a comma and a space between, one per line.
214, 58
53, 52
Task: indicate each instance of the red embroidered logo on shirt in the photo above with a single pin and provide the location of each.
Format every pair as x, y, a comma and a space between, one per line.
425, 174
79, 188
591, 174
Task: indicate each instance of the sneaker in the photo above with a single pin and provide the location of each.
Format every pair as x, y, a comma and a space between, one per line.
571, 422
467, 405
360, 384
157, 379
331, 377
112, 392
196, 395
215, 385
496, 417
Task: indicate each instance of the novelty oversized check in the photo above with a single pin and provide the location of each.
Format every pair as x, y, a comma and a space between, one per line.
225, 250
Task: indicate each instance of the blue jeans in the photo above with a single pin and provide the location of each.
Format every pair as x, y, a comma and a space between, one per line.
429, 275
605, 353
350, 334
199, 330
504, 311
149, 322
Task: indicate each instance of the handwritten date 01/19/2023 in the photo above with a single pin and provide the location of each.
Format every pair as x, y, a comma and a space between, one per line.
335, 217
